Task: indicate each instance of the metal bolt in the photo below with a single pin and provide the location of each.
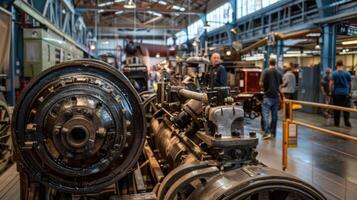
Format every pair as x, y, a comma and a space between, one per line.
128, 123
68, 114
88, 113
65, 130
101, 132
30, 128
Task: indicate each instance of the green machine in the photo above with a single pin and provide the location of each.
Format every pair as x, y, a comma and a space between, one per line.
44, 48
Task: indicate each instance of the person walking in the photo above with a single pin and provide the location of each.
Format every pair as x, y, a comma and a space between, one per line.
340, 89
325, 89
270, 81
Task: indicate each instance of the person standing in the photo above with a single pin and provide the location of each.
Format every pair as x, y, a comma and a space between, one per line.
289, 85
218, 74
325, 89
340, 89
289, 82
270, 81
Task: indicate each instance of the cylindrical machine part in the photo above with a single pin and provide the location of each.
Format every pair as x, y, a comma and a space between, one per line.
78, 127
191, 94
191, 110
255, 182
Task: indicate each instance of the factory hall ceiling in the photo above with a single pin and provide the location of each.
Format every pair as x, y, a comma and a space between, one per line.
165, 16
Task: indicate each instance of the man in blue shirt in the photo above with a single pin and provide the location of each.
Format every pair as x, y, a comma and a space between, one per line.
340, 88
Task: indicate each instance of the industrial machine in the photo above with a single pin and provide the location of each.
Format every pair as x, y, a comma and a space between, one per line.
43, 49
134, 67
110, 59
80, 134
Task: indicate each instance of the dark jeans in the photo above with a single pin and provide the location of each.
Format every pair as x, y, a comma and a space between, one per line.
344, 101
270, 106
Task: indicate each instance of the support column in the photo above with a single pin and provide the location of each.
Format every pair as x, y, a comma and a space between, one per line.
280, 55
267, 53
231, 36
328, 49
12, 69
203, 37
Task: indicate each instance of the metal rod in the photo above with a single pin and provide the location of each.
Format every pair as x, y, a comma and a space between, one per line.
154, 164
326, 131
285, 139
322, 105
285, 144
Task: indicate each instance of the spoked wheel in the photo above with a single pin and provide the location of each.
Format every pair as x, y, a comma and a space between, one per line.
149, 102
78, 127
5, 136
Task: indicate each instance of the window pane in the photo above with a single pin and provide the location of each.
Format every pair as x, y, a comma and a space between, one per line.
245, 7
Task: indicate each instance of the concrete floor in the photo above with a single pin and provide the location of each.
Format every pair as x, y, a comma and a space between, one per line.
327, 162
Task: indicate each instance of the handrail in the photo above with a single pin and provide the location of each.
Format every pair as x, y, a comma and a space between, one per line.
320, 105
287, 120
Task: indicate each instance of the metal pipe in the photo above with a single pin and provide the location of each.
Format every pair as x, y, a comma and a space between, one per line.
278, 36
190, 94
194, 95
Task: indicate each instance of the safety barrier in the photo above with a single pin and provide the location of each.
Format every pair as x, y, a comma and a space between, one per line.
289, 120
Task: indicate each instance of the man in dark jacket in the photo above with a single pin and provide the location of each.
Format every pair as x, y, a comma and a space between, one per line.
217, 72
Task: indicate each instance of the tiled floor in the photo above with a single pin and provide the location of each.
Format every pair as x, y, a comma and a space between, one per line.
327, 162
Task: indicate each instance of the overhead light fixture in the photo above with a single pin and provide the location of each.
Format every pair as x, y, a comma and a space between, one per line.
154, 13
206, 26
228, 53
119, 12
317, 46
105, 4
92, 47
313, 35
234, 30
130, 5
100, 11
119, 1
163, 3
175, 7
349, 42
157, 55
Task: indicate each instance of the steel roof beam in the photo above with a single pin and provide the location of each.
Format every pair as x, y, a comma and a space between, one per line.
86, 8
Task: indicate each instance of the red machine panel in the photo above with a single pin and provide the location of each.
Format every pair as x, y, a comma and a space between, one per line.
248, 80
